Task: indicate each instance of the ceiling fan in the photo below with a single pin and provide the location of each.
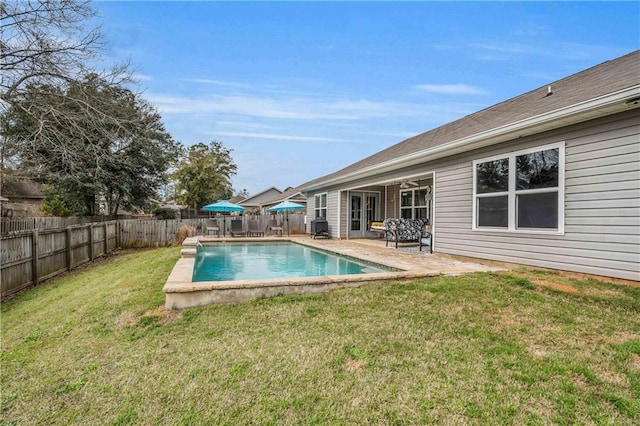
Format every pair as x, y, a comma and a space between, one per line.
404, 184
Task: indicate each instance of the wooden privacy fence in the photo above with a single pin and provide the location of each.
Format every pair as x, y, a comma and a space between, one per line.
28, 257
8, 225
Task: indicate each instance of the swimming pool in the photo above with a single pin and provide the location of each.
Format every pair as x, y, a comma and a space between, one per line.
259, 261
182, 292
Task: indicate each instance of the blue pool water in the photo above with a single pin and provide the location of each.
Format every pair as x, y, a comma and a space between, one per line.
256, 261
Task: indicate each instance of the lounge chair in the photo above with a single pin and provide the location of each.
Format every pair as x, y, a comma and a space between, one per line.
254, 229
273, 227
212, 227
237, 229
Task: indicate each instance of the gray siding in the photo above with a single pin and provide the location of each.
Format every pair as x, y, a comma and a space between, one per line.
311, 212
332, 213
602, 204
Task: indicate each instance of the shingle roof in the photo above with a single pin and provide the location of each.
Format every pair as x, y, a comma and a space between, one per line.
606, 78
23, 188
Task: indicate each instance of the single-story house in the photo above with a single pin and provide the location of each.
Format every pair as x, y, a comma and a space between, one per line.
24, 197
290, 194
253, 203
550, 178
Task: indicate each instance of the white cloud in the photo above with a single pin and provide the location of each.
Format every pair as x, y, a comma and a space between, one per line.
222, 83
452, 89
142, 77
500, 50
281, 137
293, 108
243, 106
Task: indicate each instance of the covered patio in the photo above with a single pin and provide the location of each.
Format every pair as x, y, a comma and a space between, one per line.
407, 196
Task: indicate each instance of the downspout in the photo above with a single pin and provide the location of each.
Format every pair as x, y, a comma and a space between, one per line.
433, 207
386, 200
340, 215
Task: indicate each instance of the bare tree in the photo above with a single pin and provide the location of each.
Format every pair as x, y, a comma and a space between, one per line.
45, 42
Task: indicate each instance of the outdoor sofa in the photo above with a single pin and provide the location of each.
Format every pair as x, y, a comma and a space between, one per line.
401, 230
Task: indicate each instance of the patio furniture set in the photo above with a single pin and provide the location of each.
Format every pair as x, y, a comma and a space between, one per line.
238, 230
396, 230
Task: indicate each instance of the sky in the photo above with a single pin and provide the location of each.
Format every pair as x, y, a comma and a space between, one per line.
299, 90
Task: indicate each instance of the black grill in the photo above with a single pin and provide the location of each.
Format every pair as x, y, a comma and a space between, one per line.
319, 227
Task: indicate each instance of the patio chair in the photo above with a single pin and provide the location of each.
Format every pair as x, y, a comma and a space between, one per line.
237, 229
254, 229
273, 227
212, 227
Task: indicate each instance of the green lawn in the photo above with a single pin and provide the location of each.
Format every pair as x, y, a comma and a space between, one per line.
525, 347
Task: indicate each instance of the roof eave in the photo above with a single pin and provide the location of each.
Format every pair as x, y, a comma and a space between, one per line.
576, 113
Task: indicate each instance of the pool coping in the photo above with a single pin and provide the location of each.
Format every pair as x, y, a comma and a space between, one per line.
181, 292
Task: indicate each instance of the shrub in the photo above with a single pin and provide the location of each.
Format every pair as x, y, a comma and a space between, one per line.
184, 232
164, 213
55, 206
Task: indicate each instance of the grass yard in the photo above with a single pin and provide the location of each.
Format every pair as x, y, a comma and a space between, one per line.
525, 347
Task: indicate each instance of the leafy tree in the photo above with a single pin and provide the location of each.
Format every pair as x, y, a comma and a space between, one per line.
66, 141
204, 175
164, 213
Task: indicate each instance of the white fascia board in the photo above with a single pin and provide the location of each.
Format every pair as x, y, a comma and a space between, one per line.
495, 135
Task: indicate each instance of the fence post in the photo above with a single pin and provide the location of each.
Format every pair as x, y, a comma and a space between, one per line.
68, 247
106, 239
90, 241
118, 239
34, 254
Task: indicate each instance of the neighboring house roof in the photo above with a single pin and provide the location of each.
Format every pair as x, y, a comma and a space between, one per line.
24, 189
260, 197
292, 194
236, 199
171, 204
597, 91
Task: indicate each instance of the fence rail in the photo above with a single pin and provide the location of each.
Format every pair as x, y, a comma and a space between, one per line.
30, 256
8, 225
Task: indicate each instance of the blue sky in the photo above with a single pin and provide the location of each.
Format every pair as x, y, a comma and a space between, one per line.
299, 90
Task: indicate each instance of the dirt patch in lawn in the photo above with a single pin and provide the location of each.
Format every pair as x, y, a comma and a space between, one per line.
635, 362
165, 315
611, 280
130, 319
564, 288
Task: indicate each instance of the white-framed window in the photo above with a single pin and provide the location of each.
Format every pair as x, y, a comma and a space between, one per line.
520, 191
321, 205
415, 203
